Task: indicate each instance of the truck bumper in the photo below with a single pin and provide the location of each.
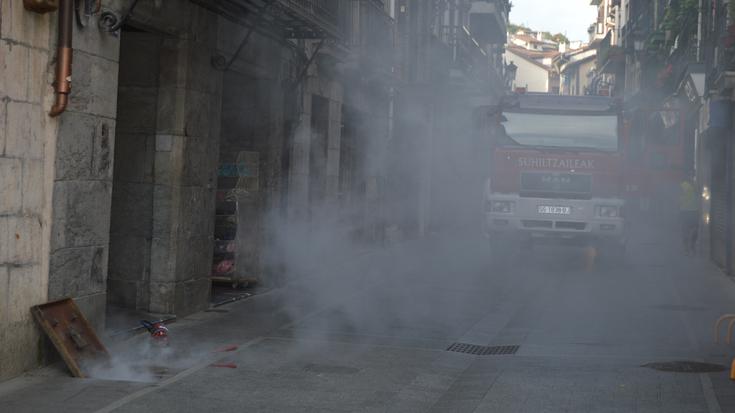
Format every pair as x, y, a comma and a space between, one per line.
581, 224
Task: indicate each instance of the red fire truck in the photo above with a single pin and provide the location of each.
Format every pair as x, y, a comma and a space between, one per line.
556, 173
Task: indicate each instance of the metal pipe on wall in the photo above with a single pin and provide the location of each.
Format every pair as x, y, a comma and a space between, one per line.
62, 83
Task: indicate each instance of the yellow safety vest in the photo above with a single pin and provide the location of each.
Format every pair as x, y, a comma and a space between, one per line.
688, 200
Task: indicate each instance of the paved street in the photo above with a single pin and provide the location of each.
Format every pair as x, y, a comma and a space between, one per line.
371, 335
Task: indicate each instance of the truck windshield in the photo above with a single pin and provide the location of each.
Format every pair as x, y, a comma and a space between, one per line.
598, 132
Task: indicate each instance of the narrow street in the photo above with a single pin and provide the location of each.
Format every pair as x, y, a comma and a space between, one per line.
338, 206
584, 336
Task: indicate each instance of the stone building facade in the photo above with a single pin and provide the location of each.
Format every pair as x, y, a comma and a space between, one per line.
112, 203
28, 148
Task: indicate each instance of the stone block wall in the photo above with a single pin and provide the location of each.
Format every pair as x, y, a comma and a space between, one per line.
135, 228
82, 188
56, 174
26, 170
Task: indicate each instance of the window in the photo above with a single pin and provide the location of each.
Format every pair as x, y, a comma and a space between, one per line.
586, 131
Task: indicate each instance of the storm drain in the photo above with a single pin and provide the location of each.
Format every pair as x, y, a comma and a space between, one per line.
482, 350
686, 367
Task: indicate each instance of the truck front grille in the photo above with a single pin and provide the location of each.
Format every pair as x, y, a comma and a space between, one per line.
532, 223
544, 224
556, 185
578, 226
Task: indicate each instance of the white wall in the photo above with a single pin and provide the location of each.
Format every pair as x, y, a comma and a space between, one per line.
534, 78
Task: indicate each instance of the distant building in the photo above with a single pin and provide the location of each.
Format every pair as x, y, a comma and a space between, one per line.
547, 66
608, 17
535, 72
576, 71
605, 32
534, 56
533, 42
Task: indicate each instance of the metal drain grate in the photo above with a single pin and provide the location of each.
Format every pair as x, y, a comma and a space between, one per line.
686, 367
482, 350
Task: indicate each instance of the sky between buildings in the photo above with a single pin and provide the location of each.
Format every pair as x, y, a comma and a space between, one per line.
571, 17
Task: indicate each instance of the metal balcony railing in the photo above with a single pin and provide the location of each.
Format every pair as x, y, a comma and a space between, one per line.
370, 32
467, 54
312, 18
326, 10
303, 19
638, 26
371, 27
461, 37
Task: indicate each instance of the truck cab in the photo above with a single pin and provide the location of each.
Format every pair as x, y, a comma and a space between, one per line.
556, 173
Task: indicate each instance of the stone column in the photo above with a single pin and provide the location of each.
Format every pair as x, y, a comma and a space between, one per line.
186, 152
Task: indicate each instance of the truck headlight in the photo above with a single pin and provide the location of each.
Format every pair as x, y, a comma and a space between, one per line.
503, 207
608, 211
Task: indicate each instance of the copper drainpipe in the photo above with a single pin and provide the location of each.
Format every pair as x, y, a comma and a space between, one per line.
62, 84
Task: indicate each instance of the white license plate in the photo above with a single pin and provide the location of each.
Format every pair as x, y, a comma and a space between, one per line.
554, 210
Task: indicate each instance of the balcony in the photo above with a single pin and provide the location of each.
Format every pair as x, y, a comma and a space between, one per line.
610, 58
293, 19
639, 26
489, 21
467, 54
720, 49
372, 30
369, 32
682, 59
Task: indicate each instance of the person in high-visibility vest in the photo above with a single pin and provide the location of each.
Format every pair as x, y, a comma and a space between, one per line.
689, 215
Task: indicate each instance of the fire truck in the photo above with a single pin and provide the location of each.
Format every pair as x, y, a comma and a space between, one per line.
556, 173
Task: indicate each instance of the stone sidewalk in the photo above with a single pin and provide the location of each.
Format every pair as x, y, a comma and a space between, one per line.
195, 344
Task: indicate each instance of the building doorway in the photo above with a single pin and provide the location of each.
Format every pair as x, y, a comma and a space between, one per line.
131, 223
